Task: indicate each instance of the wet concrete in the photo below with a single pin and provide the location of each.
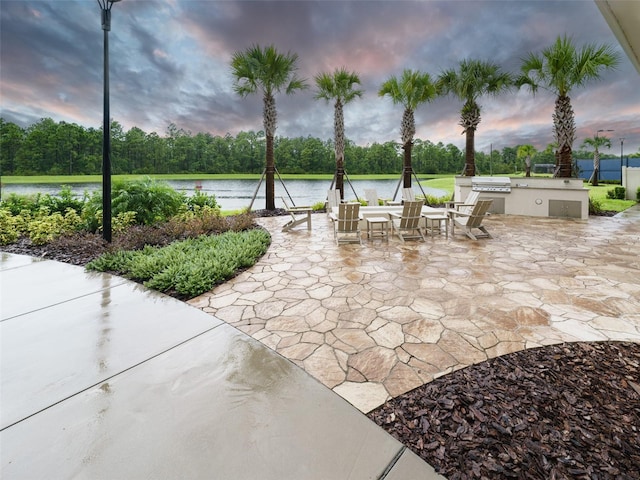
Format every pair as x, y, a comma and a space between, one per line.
376, 320
101, 378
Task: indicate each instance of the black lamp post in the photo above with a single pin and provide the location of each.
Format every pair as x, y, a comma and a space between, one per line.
105, 6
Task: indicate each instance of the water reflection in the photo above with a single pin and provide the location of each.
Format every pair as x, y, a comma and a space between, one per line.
237, 194
252, 372
104, 326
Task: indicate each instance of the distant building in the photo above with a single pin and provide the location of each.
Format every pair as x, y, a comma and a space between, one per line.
543, 168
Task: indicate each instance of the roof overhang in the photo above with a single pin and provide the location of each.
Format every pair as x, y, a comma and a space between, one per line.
623, 17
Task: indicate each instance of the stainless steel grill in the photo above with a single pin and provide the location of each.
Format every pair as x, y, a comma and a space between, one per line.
491, 184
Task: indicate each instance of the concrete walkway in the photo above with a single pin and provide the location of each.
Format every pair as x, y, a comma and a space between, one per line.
376, 320
102, 379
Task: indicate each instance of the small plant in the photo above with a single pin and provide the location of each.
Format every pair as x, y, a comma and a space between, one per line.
595, 207
240, 223
63, 201
200, 200
41, 226
122, 221
433, 201
638, 194
618, 193
10, 226
45, 227
16, 203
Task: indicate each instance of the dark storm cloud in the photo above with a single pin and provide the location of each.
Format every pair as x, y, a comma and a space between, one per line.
170, 64
44, 65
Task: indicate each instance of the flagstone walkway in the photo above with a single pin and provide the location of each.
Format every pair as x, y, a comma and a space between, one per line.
376, 320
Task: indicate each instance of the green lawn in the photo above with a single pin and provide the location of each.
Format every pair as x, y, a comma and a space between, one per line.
599, 194
442, 183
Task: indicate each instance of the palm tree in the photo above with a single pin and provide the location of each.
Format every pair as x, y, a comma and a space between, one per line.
560, 68
412, 89
340, 87
468, 83
270, 72
526, 152
596, 142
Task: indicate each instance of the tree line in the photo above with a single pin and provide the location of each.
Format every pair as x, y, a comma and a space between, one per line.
60, 148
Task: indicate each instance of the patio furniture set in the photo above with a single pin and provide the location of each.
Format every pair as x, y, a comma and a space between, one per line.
412, 220
409, 219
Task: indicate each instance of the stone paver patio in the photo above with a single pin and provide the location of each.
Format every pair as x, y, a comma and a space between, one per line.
376, 320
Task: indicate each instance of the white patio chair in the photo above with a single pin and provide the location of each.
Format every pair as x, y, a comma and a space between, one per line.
299, 215
346, 223
471, 221
407, 224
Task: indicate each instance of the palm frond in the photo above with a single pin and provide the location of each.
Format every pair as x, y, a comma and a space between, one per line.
339, 85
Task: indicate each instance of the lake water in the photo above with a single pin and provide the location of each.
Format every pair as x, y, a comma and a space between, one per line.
237, 194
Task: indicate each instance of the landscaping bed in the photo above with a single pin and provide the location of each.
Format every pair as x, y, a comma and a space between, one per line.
569, 411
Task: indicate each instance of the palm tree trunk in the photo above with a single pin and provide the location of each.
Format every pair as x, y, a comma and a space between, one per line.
270, 117
406, 165
565, 131
270, 190
338, 130
407, 131
469, 155
470, 118
564, 157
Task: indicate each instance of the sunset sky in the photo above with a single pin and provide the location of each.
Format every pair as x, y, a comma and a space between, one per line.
170, 64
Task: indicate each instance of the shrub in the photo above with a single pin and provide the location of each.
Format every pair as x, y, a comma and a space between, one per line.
151, 201
92, 212
122, 221
136, 237
202, 221
60, 203
200, 200
63, 201
433, 201
618, 193
41, 226
638, 194
10, 227
595, 207
16, 203
190, 267
45, 227
244, 221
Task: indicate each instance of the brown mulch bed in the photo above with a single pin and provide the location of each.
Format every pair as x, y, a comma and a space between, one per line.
569, 411
77, 249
